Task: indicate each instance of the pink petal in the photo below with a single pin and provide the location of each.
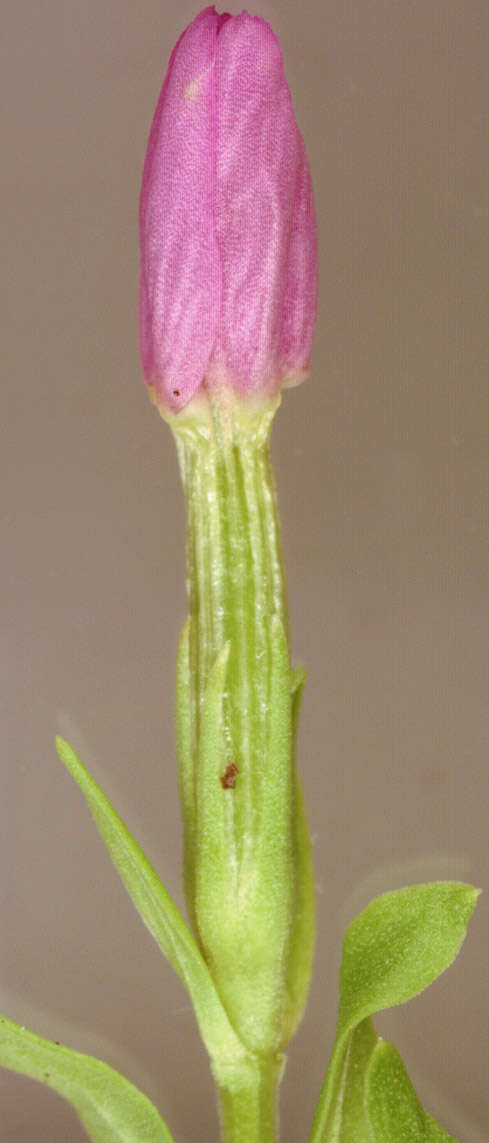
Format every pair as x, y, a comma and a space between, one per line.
180, 282
263, 198
300, 295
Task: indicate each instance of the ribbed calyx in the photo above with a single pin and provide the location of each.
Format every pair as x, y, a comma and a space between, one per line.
248, 876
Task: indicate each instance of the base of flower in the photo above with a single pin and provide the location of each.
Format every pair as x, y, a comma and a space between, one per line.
243, 416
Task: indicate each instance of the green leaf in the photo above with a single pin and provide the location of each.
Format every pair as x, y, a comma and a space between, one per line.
375, 1101
393, 950
245, 926
271, 914
298, 677
159, 913
274, 849
111, 1109
213, 852
184, 716
303, 935
394, 1112
399, 944
303, 929
347, 1118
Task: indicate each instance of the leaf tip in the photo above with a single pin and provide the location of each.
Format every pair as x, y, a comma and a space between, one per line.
67, 756
63, 747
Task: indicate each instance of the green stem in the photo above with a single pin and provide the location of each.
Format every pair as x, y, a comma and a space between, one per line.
248, 1104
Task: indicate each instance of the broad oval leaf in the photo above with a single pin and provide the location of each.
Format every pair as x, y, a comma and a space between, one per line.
111, 1109
393, 1108
396, 947
399, 944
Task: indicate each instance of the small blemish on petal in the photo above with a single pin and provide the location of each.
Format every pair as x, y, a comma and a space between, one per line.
191, 90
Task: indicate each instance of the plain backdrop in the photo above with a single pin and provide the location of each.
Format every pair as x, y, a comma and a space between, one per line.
382, 475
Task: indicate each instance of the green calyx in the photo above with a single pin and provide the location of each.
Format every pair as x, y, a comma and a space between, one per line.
247, 861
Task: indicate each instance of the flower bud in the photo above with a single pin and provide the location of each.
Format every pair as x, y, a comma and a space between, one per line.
227, 225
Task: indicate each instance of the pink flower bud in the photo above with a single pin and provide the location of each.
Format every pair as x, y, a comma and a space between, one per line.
227, 226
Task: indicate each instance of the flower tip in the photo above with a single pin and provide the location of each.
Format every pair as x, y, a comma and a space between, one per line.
227, 226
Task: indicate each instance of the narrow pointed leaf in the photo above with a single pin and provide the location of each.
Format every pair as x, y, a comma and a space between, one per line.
275, 841
303, 935
394, 1112
274, 885
184, 716
186, 786
298, 678
158, 911
244, 924
304, 924
111, 1109
348, 1121
212, 858
183, 722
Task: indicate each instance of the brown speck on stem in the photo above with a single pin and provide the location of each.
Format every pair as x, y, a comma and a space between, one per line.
228, 779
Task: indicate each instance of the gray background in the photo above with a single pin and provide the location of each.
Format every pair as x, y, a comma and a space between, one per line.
381, 467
